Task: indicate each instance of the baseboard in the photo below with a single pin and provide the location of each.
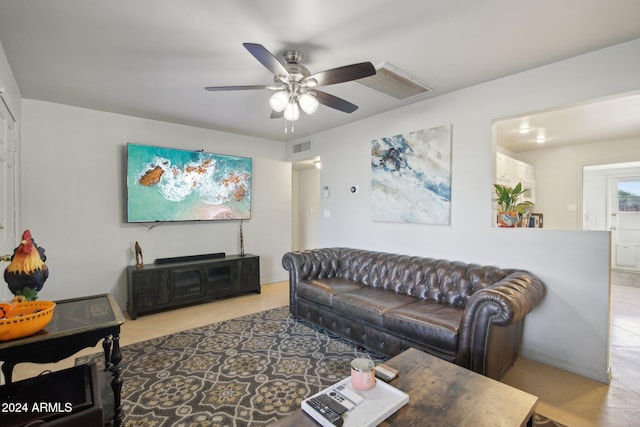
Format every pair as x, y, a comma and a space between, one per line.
603, 377
274, 279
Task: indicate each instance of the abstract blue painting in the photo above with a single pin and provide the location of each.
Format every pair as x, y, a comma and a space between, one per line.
411, 177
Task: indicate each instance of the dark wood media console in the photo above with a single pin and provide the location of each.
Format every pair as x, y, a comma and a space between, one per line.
160, 287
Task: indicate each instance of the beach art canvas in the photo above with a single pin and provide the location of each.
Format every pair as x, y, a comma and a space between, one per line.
411, 177
168, 184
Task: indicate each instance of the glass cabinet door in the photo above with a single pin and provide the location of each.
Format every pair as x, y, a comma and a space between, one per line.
221, 278
187, 283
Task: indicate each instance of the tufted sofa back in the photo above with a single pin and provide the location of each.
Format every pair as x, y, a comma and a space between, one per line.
440, 280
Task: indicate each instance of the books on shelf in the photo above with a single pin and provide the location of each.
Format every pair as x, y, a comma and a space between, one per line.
354, 408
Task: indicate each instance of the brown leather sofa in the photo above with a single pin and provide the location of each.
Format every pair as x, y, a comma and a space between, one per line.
468, 314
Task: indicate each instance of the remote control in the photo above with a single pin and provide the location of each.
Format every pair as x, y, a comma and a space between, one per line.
322, 413
351, 395
332, 403
341, 400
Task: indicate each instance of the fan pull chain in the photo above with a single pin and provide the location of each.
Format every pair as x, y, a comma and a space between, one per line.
286, 123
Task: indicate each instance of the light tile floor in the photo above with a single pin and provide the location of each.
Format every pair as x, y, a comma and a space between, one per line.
565, 397
159, 324
581, 402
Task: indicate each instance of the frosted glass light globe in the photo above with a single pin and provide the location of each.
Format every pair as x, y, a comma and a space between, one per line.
279, 100
308, 103
292, 112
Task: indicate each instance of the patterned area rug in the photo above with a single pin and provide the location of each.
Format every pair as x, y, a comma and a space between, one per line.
248, 371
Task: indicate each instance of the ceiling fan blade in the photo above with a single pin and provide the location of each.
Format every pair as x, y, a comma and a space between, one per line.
277, 114
223, 88
266, 58
343, 74
334, 102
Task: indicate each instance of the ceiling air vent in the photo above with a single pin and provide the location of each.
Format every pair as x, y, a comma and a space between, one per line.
303, 146
392, 81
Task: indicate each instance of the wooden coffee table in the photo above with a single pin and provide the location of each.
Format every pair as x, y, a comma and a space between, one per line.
445, 394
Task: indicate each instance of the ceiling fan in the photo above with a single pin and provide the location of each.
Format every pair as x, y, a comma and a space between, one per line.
295, 87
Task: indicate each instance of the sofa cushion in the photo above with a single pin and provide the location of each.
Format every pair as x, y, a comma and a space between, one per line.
369, 304
427, 321
322, 291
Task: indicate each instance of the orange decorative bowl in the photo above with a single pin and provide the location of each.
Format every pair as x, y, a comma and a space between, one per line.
20, 319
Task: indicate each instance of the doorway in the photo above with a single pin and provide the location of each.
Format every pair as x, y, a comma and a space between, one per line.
611, 201
306, 204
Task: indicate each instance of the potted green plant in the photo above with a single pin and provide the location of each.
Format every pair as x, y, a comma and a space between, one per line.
509, 210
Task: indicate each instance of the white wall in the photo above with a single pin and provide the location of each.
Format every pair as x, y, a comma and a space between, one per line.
570, 329
295, 210
73, 195
594, 207
559, 176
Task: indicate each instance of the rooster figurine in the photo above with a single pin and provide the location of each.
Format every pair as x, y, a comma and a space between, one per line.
27, 271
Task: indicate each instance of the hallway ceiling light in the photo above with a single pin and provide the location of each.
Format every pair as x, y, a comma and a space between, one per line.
524, 128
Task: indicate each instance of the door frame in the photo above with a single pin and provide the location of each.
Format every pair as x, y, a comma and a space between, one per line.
8, 187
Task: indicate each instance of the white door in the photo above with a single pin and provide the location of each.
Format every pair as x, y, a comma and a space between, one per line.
624, 221
7, 189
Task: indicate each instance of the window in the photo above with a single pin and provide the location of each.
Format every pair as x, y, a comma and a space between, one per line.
629, 196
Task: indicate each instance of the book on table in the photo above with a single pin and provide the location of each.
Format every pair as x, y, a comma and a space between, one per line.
342, 405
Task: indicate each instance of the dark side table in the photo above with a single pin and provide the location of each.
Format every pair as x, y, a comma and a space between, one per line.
76, 324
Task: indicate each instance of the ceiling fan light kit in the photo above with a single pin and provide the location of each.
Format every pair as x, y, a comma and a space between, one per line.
295, 87
279, 101
308, 103
291, 112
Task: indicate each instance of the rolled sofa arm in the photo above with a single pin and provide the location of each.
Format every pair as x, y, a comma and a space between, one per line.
514, 296
504, 304
308, 265
311, 264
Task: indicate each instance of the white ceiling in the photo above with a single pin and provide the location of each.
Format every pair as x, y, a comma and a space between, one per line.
152, 58
607, 119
